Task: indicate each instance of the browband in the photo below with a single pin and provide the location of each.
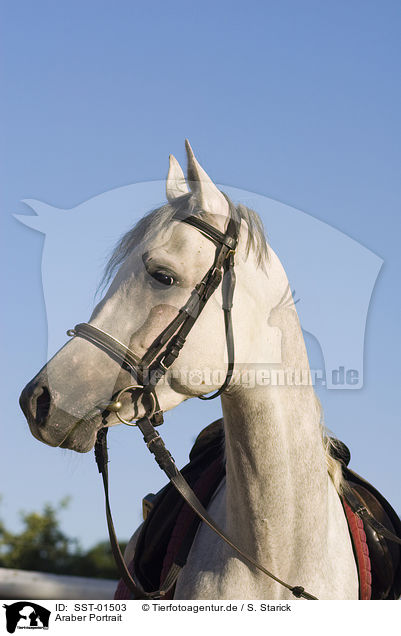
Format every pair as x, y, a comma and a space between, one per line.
208, 230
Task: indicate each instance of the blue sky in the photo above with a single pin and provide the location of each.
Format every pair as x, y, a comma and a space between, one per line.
296, 101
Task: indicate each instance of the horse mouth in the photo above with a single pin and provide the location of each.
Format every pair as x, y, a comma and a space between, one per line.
63, 430
81, 436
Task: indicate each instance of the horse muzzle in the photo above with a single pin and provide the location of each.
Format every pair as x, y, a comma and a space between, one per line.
53, 425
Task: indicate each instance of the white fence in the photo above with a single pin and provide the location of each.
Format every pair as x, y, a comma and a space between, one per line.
23, 585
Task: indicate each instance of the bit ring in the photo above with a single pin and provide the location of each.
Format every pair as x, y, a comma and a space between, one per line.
133, 420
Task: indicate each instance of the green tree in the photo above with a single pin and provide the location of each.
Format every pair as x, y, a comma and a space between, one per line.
44, 547
98, 562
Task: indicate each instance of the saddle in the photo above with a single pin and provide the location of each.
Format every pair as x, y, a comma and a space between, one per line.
170, 524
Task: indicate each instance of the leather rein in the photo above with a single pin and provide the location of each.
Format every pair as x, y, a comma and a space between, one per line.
149, 370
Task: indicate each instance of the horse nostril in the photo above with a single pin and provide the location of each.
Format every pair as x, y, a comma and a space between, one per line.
37, 402
43, 402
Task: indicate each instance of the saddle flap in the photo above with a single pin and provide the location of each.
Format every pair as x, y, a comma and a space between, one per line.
385, 555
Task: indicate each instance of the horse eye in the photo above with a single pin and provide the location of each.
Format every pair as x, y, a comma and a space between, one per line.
163, 278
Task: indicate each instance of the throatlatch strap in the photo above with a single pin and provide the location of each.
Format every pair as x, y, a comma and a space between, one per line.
228, 295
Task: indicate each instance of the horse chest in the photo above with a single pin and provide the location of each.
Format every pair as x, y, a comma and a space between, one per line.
204, 573
212, 570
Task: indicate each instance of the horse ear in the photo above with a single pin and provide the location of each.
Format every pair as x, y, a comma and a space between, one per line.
175, 184
209, 196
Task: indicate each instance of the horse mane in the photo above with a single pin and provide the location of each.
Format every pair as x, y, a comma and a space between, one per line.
334, 466
158, 219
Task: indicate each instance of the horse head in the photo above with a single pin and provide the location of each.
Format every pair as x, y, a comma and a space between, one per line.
153, 271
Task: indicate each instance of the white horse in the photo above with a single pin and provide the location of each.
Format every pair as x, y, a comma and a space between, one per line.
280, 499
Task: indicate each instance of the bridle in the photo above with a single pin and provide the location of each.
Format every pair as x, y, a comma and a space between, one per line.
149, 370
164, 350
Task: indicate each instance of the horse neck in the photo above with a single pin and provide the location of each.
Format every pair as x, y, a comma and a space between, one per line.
276, 474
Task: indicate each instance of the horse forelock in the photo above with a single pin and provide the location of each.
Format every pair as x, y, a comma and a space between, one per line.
158, 219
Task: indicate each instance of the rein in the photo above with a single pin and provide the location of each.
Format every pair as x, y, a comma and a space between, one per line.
149, 370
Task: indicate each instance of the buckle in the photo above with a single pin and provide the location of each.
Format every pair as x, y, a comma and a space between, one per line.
147, 504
